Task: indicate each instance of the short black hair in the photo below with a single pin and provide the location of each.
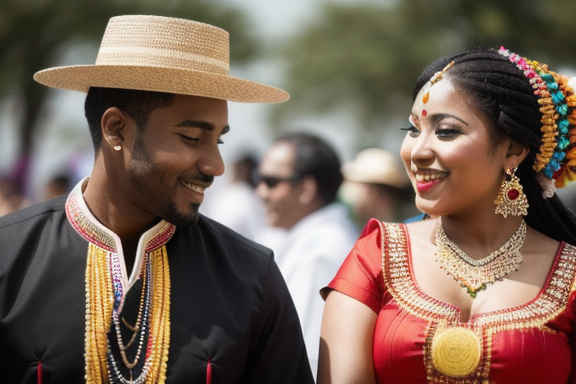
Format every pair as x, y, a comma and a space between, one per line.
137, 104
314, 157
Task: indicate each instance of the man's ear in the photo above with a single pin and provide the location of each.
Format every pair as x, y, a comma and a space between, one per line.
516, 154
309, 190
113, 125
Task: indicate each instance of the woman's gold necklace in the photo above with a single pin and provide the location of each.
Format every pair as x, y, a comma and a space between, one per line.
476, 275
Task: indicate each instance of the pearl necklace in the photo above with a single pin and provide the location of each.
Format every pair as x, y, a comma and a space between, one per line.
476, 275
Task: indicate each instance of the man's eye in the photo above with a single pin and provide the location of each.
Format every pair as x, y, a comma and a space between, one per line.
189, 139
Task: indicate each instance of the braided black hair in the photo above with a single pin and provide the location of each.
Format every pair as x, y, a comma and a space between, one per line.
499, 90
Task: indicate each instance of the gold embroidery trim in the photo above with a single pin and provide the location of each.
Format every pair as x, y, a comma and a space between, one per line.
398, 280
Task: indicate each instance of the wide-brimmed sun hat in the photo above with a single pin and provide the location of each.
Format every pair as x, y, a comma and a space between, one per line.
162, 54
376, 166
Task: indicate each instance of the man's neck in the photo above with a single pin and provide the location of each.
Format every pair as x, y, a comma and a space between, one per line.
117, 217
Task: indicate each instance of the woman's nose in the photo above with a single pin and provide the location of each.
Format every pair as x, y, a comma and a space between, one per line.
422, 149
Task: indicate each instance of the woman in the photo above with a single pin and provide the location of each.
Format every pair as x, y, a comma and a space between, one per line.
486, 291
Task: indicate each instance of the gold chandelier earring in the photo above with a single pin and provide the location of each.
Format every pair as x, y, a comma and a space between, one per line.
511, 199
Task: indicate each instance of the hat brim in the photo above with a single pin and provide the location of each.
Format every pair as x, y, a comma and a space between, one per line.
160, 79
363, 174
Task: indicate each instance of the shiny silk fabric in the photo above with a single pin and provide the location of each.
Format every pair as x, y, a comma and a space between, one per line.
532, 343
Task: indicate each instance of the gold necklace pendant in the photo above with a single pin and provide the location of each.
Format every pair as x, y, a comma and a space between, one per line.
476, 275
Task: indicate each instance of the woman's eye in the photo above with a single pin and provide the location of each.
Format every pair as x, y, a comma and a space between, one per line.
220, 141
412, 130
447, 132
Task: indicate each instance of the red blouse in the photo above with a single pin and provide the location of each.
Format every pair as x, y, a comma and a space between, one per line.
419, 339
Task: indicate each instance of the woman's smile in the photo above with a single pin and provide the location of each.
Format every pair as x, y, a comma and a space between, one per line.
426, 181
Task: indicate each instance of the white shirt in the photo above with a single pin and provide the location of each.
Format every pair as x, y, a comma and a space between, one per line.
309, 257
237, 207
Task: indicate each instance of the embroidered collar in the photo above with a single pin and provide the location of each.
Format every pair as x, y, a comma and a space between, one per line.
96, 233
399, 279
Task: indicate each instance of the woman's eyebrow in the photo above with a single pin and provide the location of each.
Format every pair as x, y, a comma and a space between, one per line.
440, 116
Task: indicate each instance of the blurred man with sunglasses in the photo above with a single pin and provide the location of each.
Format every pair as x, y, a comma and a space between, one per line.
299, 177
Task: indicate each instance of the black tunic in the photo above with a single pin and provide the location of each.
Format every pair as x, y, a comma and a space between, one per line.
230, 307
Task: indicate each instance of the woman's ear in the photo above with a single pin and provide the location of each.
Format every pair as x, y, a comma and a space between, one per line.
113, 125
516, 154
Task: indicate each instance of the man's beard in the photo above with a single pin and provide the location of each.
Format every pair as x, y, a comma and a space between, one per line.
147, 177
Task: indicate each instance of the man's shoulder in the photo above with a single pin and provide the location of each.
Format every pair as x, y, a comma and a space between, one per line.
27, 233
221, 250
37, 212
229, 237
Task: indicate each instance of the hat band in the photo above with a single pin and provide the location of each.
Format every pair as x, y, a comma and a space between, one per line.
157, 57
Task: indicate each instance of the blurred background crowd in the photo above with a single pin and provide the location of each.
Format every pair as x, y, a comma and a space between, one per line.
349, 66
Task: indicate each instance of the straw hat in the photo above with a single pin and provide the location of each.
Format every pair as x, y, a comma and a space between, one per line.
162, 54
376, 166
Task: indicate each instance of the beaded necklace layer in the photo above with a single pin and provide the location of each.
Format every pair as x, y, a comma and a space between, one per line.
124, 343
476, 275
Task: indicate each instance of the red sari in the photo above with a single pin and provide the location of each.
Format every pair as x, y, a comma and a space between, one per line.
419, 339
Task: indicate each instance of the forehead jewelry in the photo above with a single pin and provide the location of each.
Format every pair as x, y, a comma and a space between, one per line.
556, 159
475, 275
436, 78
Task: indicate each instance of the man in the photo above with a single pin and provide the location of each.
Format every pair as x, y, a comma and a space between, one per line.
58, 185
376, 185
299, 179
123, 280
235, 204
11, 196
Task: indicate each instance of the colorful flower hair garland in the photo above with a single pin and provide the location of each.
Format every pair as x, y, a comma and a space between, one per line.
556, 159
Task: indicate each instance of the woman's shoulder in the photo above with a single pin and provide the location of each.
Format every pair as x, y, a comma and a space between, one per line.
415, 229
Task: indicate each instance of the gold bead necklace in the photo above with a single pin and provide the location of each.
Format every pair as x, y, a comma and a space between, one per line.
476, 275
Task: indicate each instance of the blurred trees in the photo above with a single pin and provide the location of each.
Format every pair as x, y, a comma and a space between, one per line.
361, 58
365, 57
35, 34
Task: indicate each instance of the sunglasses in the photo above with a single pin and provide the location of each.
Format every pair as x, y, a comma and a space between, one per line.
272, 181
